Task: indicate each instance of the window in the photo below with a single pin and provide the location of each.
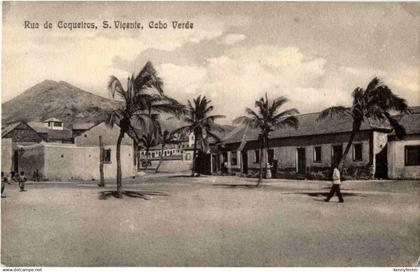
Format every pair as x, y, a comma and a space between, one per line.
357, 152
412, 155
317, 154
233, 158
107, 156
57, 124
257, 156
188, 156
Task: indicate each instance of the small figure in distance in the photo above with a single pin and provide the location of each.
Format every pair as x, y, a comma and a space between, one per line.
22, 179
36, 175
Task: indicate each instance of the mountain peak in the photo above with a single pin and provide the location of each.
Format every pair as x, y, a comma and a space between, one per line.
58, 99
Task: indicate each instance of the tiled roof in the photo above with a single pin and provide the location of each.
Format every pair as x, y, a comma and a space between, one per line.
83, 125
52, 134
64, 134
38, 126
411, 122
9, 128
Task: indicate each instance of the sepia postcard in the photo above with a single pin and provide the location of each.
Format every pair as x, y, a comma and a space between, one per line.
210, 134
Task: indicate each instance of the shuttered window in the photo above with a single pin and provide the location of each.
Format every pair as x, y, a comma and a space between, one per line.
357, 152
317, 154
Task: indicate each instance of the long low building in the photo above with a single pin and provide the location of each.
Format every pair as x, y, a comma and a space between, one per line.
310, 150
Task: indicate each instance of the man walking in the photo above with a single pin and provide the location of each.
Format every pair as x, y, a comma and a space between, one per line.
336, 182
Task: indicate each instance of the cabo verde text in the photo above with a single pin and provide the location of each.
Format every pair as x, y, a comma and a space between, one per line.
115, 24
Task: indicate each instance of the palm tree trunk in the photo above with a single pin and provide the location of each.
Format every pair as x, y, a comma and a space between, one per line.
261, 159
355, 129
119, 174
161, 159
194, 155
266, 156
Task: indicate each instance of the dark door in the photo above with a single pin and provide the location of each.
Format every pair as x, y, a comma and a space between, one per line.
337, 154
16, 161
301, 161
203, 163
244, 162
214, 163
381, 170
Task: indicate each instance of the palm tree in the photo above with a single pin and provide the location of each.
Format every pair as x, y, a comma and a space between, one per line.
166, 137
148, 140
200, 123
267, 119
134, 98
373, 103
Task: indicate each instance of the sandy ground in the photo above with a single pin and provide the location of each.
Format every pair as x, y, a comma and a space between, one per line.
211, 221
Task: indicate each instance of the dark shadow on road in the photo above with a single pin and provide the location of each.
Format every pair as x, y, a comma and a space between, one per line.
187, 176
325, 194
134, 194
247, 186
180, 176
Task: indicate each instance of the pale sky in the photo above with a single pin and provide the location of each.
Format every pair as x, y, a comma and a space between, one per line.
315, 54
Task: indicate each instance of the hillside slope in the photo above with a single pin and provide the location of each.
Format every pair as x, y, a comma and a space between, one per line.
57, 99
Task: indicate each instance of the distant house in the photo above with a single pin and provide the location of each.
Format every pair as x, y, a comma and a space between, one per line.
81, 160
170, 151
54, 123
21, 132
53, 130
79, 127
13, 136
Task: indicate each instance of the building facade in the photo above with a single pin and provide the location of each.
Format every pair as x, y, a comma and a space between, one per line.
404, 154
81, 160
13, 136
309, 151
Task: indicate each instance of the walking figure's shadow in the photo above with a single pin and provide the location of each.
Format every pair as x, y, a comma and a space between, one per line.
146, 195
246, 186
317, 195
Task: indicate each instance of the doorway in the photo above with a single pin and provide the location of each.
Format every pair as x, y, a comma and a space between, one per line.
301, 161
16, 161
244, 162
381, 164
337, 154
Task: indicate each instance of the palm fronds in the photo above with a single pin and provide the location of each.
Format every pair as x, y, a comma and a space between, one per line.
331, 111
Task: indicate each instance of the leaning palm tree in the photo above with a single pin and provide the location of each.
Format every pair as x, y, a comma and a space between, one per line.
371, 104
267, 119
200, 123
132, 109
166, 137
